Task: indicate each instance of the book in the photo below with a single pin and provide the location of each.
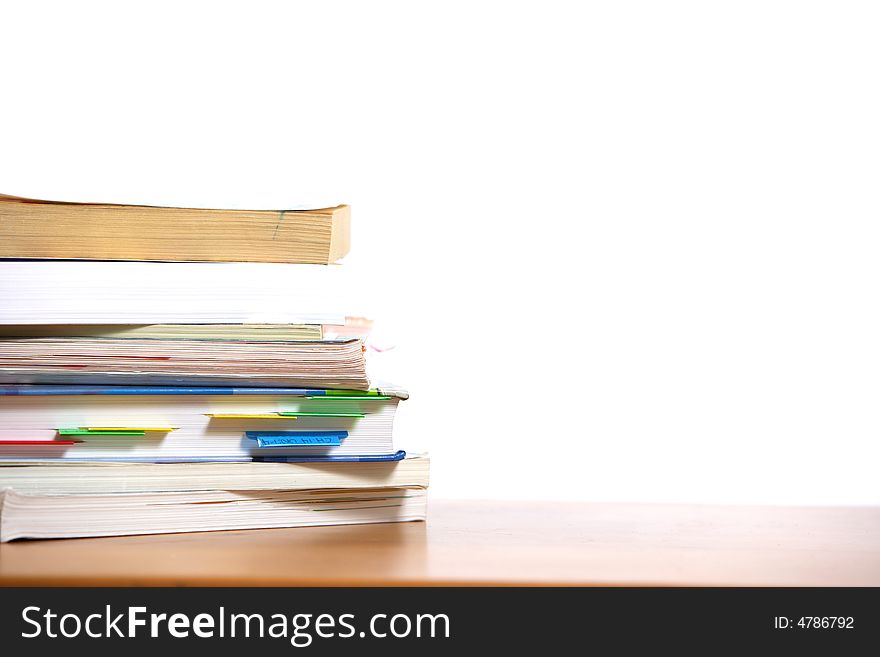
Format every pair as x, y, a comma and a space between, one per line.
316, 363
24, 515
31, 228
168, 424
246, 332
83, 292
91, 478
354, 327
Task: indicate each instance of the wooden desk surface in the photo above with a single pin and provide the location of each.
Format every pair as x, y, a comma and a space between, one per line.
508, 543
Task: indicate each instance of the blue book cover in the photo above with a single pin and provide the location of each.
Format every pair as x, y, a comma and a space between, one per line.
312, 458
374, 458
63, 389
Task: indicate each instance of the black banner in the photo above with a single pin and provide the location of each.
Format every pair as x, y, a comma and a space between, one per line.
432, 621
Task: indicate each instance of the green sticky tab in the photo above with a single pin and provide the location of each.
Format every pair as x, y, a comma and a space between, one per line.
341, 398
353, 393
320, 414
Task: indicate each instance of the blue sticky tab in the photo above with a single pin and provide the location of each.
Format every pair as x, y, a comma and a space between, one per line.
297, 438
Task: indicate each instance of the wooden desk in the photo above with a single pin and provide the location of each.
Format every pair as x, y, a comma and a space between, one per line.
466, 543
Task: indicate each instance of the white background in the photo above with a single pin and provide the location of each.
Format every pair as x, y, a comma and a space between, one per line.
646, 233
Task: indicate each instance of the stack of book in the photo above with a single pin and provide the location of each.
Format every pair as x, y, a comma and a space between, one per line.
172, 370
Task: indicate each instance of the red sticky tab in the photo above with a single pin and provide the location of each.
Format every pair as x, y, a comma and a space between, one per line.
39, 443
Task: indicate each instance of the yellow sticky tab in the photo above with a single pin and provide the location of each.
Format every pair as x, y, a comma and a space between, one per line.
250, 416
162, 429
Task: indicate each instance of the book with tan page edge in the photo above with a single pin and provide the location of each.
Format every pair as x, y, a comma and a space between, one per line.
31, 228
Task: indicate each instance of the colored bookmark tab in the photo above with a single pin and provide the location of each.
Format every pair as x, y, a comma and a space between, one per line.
114, 429
80, 431
319, 414
350, 397
297, 438
252, 416
40, 443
